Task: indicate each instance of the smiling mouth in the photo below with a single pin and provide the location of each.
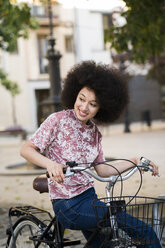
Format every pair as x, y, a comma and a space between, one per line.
82, 114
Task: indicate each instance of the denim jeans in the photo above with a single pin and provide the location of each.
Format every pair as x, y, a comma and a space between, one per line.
78, 213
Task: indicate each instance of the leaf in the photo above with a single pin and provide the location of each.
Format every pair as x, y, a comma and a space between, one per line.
15, 22
9, 85
144, 30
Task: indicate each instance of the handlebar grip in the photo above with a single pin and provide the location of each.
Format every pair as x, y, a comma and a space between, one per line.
47, 174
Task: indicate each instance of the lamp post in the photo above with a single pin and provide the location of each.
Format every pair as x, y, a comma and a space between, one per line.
126, 113
53, 103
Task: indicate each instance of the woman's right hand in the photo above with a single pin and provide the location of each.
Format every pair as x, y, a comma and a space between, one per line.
55, 171
31, 153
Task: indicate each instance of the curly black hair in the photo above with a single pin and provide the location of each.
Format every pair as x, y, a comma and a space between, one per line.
109, 85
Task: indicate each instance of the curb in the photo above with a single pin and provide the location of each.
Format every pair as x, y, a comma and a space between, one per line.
7, 172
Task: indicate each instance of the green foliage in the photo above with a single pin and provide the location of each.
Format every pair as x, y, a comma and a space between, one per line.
158, 71
9, 85
143, 33
15, 21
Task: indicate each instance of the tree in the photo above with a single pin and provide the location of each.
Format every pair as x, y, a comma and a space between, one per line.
13, 88
15, 22
143, 34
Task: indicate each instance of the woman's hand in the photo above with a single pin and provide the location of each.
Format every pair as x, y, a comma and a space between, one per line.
55, 171
31, 153
154, 167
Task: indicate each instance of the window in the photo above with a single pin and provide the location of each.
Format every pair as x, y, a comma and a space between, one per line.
69, 43
42, 111
38, 10
42, 11
107, 22
42, 50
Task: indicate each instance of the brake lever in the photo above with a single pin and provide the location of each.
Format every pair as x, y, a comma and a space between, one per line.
68, 172
144, 165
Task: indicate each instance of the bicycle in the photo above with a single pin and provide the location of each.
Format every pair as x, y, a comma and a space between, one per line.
29, 230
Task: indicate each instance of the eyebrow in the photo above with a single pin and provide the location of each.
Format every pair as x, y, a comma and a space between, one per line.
85, 96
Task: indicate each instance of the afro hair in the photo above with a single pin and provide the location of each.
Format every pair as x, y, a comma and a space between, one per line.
109, 85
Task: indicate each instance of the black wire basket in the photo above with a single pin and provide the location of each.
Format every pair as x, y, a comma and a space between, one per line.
133, 221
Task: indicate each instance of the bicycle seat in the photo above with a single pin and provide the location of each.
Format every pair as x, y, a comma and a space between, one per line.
40, 184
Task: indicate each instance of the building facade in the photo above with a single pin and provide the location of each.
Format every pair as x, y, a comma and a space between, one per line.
79, 36
29, 66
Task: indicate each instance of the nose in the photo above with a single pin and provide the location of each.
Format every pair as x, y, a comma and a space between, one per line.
85, 106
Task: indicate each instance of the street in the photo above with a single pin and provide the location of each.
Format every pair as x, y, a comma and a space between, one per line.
17, 189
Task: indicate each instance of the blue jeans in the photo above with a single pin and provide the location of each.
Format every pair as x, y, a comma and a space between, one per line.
78, 213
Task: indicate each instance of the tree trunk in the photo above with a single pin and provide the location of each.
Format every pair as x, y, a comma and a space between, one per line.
14, 111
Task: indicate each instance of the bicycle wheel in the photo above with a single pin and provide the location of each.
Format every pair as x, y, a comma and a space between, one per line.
25, 228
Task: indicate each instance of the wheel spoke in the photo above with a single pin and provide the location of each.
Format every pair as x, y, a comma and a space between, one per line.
25, 229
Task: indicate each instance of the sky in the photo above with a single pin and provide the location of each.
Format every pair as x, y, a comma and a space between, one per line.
93, 4
89, 4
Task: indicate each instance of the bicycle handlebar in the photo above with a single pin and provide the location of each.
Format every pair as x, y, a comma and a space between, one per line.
73, 168
71, 171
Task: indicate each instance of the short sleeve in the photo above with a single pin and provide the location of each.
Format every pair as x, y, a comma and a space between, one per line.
100, 157
47, 132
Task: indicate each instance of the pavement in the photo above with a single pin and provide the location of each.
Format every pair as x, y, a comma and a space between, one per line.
16, 175
114, 138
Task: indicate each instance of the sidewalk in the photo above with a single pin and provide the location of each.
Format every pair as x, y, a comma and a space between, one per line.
9, 146
145, 142
135, 127
16, 182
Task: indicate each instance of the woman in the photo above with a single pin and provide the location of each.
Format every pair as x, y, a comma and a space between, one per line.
92, 93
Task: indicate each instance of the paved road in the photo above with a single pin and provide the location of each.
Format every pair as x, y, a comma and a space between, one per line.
3, 225
149, 143
73, 235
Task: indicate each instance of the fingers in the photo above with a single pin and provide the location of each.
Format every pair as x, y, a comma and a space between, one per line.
151, 164
56, 173
155, 169
57, 176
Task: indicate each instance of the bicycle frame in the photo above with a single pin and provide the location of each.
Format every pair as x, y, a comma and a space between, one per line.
55, 239
143, 164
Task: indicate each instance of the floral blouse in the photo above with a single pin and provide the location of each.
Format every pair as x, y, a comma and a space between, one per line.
65, 138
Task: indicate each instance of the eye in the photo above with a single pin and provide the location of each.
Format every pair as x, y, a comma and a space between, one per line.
81, 99
94, 105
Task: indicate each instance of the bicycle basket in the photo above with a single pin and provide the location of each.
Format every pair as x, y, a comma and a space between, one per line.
138, 220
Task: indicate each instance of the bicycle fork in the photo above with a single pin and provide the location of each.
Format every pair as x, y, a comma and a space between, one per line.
114, 243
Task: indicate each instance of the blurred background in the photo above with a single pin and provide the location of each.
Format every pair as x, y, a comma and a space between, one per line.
41, 40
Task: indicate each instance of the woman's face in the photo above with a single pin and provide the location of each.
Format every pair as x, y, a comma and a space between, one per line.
86, 105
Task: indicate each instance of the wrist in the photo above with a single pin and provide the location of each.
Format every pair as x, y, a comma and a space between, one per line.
134, 160
49, 164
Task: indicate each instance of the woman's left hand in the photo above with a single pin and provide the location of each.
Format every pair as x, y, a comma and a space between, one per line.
154, 167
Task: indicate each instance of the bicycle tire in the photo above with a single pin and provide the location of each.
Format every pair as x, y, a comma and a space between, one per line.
24, 228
